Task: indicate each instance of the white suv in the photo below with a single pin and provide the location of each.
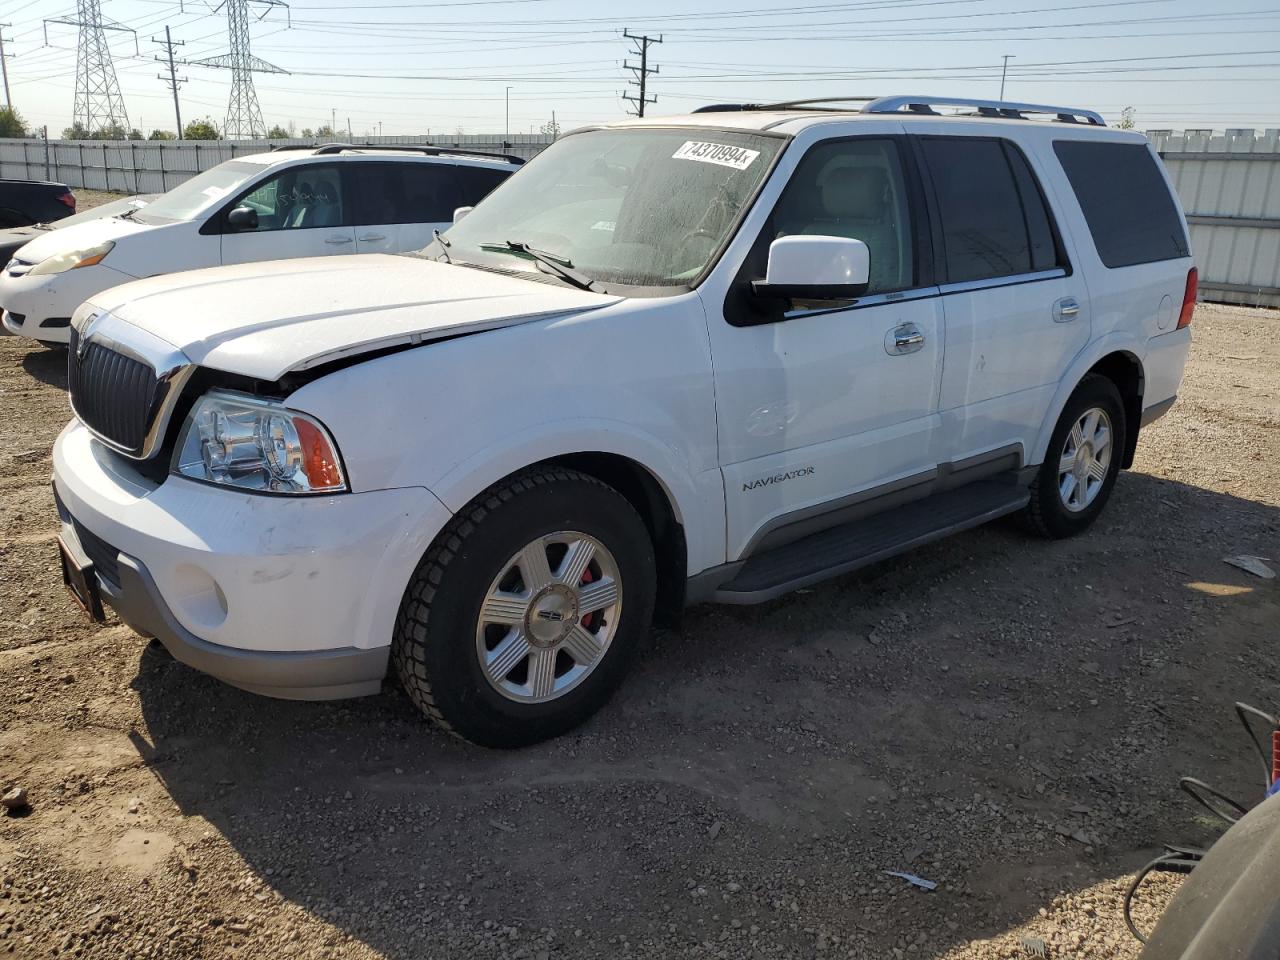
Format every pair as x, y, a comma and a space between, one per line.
714, 357
292, 202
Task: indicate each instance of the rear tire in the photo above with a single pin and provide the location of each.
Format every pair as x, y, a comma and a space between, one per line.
1082, 462
523, 617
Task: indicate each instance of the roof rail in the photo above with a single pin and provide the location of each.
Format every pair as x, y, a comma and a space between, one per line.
785, 105
996, 109
331, 148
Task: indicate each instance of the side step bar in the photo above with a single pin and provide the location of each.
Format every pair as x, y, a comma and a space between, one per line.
861, 543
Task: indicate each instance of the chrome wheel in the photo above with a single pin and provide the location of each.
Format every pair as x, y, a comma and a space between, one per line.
548, 617
1085, 458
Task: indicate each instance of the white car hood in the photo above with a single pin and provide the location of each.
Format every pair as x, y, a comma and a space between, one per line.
78, 237
263, 320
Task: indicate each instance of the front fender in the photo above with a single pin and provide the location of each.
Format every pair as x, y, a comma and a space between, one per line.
1115, 342
697, 500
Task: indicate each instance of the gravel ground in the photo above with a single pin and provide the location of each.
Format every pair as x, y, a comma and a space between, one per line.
1002, 715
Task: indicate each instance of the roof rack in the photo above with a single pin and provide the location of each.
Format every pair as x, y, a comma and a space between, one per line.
324, 149
995, 109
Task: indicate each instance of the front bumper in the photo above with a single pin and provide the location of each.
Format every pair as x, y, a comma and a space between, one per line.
46, 303
286, 596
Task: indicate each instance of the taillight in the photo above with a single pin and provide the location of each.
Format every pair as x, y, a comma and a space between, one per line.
1189, 299
69, 199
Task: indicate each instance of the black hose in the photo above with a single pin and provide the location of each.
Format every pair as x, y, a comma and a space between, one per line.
1173, 860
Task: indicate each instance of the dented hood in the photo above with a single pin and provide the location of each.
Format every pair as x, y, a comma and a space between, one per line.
263, 320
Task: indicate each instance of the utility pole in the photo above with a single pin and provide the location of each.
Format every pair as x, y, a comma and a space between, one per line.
172, 80
641, 50
4, 67
506, 132
1004, 72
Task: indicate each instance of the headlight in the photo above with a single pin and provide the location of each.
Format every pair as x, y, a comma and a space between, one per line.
62, 262
255, 444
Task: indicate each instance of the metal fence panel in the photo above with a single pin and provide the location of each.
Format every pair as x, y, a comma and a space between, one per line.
1230, 189
154, 166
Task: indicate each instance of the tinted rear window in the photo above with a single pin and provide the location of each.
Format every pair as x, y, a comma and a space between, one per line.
1130, 212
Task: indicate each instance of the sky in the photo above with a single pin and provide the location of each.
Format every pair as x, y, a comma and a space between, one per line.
405, 67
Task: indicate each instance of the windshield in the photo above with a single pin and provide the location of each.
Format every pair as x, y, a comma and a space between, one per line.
638, 206
187, 199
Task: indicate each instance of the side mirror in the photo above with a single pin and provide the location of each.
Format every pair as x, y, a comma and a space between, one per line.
815, 268
243, 218
461, 212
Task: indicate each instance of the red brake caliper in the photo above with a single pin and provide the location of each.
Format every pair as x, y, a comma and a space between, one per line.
588, 617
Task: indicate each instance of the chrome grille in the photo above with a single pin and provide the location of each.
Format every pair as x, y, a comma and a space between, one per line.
116, 396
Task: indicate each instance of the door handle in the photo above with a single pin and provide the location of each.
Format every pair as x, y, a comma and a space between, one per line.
337, 240
1066, 310
903, 339
372, 237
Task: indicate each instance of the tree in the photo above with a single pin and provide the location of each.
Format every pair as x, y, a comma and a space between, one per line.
277, 133
204, 129
324, 133
136, 134
161, 135
551, 129
11, 125
306, 133
75, 132
1128, 117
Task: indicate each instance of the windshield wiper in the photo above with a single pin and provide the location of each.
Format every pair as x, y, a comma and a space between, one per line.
128, 214
562, 267
444, 245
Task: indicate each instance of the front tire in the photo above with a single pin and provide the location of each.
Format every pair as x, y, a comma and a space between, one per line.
523, 617
1083, 460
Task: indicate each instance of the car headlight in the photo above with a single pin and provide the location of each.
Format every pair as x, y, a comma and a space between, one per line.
255, 444
62, 262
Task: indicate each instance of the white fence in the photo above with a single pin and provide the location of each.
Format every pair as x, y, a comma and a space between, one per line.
154, 166
1230, 189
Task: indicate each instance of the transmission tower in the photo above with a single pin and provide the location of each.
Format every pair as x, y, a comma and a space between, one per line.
99, 108
642, 71
244, 116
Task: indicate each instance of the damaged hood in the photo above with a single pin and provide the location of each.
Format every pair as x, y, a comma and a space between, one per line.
264, 320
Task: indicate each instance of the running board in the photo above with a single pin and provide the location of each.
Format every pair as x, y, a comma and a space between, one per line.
861, 543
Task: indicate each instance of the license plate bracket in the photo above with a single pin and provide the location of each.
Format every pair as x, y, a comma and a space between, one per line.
81, 581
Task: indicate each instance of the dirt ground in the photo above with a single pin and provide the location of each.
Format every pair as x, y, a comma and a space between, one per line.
1002, 715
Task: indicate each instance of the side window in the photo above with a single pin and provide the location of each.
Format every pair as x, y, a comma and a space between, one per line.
430, 193
477, 183
1126, 202
1043, 242
856, 189
994, 219
298, 198
379, 196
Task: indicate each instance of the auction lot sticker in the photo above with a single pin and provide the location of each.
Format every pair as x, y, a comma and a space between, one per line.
720, 153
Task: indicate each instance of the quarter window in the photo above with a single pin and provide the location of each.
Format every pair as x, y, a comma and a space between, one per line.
1126, 202
994, 219
855, 189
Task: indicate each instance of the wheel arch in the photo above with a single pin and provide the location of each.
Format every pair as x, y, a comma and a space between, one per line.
1124, 369
658, 511
1117, 358
653, 478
